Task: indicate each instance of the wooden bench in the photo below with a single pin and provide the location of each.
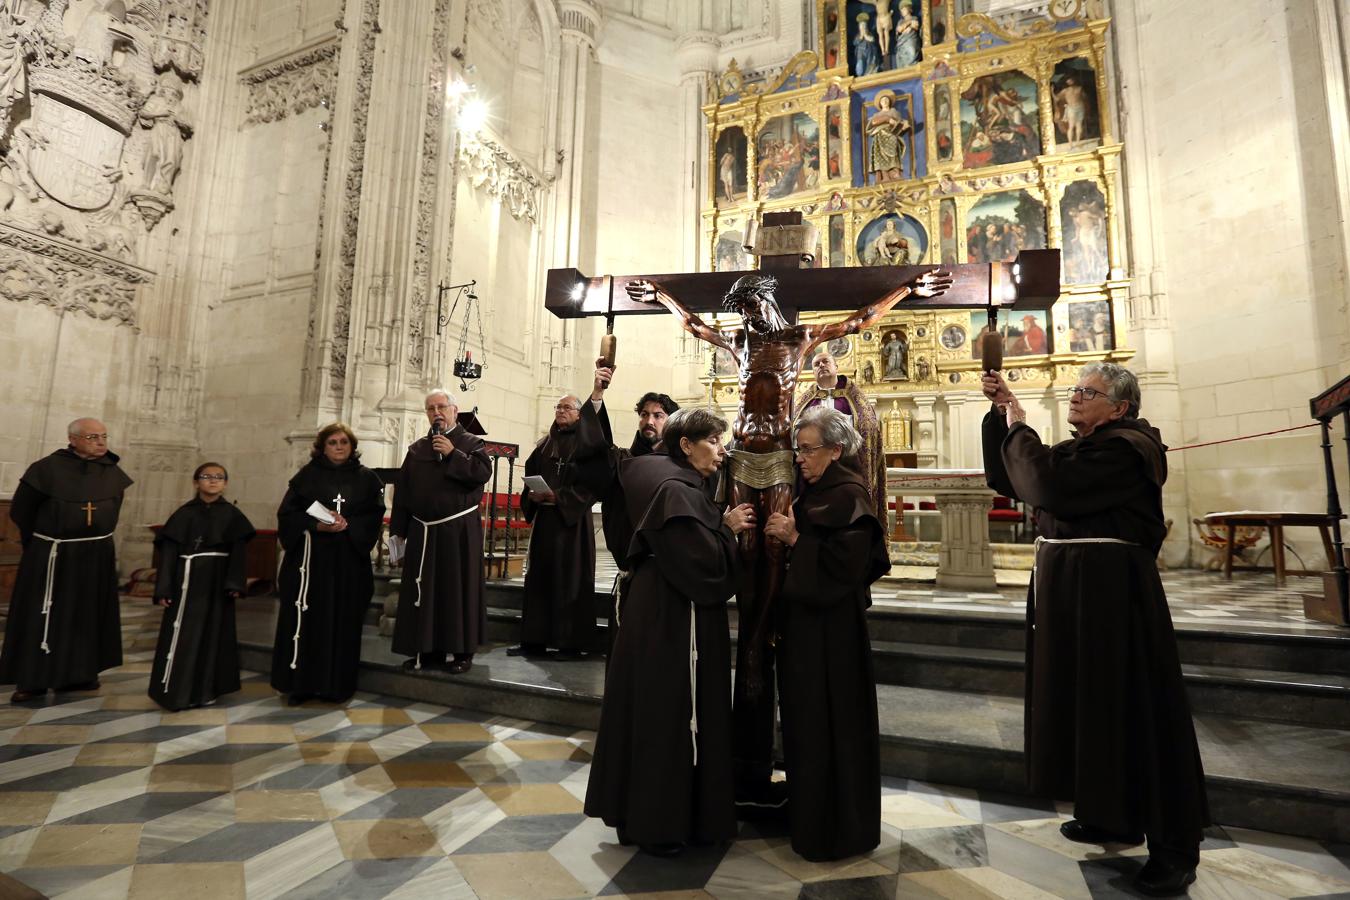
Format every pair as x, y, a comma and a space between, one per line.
1275, 522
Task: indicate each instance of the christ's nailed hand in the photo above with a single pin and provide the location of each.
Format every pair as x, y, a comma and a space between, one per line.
641, 291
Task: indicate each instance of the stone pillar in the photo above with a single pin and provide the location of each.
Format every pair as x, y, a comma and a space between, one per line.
924, 434
957, 431
696, 57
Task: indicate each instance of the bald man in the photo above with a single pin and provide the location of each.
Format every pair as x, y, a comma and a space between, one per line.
559, 607
64, 626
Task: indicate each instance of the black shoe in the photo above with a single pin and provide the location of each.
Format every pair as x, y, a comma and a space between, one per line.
1158, 879
1083, 833
460, 665
664, 851
526, 650
296, 699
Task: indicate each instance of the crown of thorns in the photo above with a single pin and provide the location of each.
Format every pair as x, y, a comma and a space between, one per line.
749, 287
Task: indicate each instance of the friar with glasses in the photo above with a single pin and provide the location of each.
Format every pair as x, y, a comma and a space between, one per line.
653, 411
662, 771
328, 523
64, 626
1108, 724
827, 691
202, 567
559, 604
436, 530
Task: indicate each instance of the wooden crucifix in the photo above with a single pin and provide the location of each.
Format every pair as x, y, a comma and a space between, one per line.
88, 508
769, 347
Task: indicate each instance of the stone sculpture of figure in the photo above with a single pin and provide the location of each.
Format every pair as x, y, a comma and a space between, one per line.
164, 149
13, 85
866, 58
888, 248
883, 13
769, 353
906, 37
886, 146
897, 357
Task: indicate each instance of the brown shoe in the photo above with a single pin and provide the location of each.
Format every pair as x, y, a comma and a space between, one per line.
23, 696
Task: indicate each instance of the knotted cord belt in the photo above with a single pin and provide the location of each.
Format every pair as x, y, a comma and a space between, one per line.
301, 600
761, 470
1036, 553
182, 605
421, 561
51, 578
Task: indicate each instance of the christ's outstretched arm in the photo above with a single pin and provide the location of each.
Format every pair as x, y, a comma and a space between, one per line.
647, 292
929, 284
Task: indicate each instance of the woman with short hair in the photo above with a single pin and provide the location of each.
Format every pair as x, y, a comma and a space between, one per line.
661, 774
328, 523
827, 691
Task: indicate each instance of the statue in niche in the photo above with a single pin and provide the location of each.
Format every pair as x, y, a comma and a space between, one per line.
906, 37
866, 57
886, 129
883, 13
895, 355
164, 149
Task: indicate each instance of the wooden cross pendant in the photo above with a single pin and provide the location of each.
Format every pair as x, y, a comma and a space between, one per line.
337, 503
88, 513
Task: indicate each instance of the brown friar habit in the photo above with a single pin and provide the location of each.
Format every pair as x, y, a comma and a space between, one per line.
1108, 724
559, 604
64, 626
440, 603
202, 560
827, 691
325, 581
665, 693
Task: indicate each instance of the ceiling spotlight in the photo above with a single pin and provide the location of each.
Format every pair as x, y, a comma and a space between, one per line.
473, 116
577, 290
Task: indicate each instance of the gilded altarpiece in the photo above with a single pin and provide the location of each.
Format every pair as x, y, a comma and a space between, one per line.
963, 139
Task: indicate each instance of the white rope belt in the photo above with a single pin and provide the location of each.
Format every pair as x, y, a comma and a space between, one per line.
693, 684
1036, 553
614, 594
426, 536
51, 578
182, 605
301, 601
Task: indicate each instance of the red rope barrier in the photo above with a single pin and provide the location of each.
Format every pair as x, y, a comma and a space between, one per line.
1245, 437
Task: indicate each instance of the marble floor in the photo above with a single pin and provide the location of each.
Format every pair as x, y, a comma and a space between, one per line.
104, 796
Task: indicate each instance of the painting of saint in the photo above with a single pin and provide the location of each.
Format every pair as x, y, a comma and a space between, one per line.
895, 355
1073, 89
947, 231
942, 121
1082, 213
1026, 335
787, 156
730, 253
887, 130
953, 337
869, 373
834, 146
731, 176
892, 240
939, 19
1090, 327
1000, 225
998, 120
837, 249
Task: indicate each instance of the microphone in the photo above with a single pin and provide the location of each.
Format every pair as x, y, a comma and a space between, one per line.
436, 429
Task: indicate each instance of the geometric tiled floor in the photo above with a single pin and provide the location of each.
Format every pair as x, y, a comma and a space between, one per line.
104, 796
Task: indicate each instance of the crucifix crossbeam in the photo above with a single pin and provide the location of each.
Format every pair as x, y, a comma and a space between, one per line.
1031, 282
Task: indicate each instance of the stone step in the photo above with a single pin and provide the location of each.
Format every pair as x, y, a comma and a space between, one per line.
1260, 774
1292, 697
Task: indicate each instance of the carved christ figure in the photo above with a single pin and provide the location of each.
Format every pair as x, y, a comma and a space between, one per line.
769, 354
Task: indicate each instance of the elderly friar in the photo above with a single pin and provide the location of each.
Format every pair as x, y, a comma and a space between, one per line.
1108, 724
827, 692
437, 531
328, 522
559, 605
662, 772
64, 626
201, 572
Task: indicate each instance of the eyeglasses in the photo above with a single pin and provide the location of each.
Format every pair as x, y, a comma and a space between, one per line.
562, 406
803, 450
212, 478
92, 437
1085, 393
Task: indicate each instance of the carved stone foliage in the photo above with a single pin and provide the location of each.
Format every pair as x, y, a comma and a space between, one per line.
66, 277
489, 166
426, 186
92, 127
351, 199
292, 85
